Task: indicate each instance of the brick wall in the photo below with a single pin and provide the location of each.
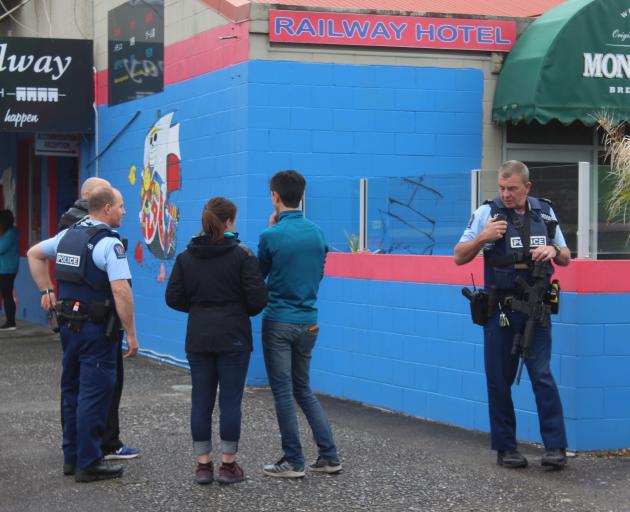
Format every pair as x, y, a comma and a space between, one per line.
211, 111
334, 123
411, 347
337, 123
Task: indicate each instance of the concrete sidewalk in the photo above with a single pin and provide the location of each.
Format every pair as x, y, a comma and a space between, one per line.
391, 462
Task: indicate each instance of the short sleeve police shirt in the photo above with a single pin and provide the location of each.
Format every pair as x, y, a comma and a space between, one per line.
480, 218
108, 254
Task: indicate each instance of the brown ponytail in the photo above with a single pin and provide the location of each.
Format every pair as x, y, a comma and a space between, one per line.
215, 215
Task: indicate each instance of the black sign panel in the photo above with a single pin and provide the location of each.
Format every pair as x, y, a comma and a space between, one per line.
46, 85
135, 50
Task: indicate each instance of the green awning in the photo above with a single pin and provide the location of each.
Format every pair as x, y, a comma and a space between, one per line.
570, 64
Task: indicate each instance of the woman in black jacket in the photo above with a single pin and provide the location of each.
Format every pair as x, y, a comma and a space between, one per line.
218, 283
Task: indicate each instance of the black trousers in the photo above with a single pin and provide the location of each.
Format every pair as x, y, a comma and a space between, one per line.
111, 436
6, 289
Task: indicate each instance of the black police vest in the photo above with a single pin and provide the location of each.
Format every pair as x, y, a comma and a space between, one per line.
499, 261
78, 277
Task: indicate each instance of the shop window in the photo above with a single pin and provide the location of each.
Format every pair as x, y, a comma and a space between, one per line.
559, 183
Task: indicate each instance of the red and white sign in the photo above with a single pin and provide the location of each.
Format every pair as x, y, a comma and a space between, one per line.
393, 31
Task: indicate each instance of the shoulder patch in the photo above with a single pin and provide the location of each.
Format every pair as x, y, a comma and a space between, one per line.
120, 251
548, 201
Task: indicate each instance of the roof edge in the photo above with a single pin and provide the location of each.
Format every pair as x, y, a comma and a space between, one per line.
235, 11
389, 12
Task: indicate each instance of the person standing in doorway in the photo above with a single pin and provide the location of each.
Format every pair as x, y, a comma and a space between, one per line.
9, 263
292, 253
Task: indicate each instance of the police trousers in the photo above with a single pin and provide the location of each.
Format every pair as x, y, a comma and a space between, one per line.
501, 367
87, 384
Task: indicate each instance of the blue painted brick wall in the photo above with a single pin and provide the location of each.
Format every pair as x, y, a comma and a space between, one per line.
405, 346
338, 123
387, 343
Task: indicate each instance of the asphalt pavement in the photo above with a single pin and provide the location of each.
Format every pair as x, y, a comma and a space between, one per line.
391, 462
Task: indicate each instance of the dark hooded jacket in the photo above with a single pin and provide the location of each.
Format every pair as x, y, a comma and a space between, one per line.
220, 286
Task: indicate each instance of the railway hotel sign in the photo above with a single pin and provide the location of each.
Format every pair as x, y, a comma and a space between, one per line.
46, 85
392, 31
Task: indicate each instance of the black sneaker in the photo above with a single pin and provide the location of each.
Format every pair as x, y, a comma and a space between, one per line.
323, 465
68, 469
283, 469
511, 459
556, 458
98, 471
7, 327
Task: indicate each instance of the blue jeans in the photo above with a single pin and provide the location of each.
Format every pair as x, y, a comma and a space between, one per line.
87, 385
287, 350
227, 371
501, 367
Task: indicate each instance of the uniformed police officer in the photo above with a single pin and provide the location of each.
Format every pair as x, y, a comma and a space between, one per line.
515, 231
94, 295
112, 446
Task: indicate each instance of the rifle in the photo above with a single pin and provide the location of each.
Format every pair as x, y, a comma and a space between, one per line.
533, 305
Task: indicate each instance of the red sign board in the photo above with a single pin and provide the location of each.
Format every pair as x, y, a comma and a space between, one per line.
393, 31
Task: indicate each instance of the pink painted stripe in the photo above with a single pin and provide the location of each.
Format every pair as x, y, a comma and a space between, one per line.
581, 276
203, 53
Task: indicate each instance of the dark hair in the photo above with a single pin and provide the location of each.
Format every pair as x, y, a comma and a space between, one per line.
6, 220
99, 198
215, 214
289, 185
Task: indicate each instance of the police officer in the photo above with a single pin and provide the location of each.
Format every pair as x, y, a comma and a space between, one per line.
79, 209
112, 446
94, 295
516, 232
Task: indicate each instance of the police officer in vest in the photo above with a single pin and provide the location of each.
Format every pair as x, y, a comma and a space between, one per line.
112, 446
517, 233
95, 299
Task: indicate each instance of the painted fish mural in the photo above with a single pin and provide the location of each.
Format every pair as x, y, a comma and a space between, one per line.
159, 177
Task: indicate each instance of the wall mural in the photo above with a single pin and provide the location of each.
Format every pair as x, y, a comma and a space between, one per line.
160, 176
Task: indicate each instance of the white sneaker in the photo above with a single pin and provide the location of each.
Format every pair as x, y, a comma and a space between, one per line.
283, 469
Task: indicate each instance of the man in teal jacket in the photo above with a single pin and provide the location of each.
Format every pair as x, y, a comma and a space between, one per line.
292, 253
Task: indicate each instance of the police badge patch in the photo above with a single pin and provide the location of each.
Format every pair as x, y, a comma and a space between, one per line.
120, 251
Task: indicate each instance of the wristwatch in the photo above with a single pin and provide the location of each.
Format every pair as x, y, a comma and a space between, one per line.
557, 248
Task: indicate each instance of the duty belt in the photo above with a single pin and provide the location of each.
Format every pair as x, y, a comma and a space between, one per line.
74, 310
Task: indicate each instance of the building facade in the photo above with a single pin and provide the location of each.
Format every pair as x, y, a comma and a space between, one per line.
195, 99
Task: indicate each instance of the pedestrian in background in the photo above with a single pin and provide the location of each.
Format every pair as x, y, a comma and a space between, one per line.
9, 263
217, 281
